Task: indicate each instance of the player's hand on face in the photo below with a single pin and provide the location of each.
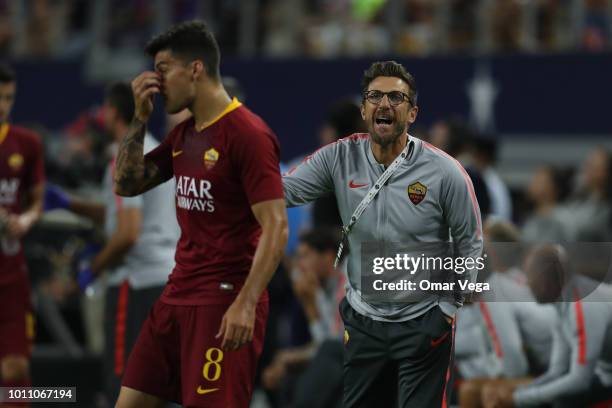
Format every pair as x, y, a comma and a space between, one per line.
237, 325
144, 87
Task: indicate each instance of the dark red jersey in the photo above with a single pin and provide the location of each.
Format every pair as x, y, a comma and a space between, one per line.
220, 172
21, 168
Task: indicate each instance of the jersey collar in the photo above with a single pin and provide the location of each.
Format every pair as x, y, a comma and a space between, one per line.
4, 129
232, 106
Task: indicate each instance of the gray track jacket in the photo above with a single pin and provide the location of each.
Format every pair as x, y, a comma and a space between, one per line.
429, 198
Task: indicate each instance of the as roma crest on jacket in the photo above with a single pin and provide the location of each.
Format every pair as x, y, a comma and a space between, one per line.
416, 192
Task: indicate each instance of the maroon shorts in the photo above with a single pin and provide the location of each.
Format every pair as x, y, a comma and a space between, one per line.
177, 357
16, 319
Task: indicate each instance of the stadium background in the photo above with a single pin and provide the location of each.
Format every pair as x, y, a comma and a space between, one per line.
531, 75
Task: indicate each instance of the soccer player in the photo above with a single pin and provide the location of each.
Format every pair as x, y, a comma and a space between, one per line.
428, 198
200, 344
21, 181
141, 237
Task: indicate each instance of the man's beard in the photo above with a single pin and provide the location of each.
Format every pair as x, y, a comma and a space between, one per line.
398, 131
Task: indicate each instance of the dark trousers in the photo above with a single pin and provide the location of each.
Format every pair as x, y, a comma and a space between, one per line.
320, 385
405, 364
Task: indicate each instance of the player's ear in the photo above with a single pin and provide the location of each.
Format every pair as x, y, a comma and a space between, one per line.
362, 110
197, 70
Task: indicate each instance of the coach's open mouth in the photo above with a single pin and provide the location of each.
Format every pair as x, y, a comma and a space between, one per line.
383, 122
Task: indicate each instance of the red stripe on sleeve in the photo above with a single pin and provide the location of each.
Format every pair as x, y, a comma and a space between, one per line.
491, 329
581, 330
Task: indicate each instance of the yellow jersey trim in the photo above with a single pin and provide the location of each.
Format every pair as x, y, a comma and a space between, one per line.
4, 129
232, 106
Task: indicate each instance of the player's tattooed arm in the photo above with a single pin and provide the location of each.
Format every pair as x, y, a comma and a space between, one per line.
134, 173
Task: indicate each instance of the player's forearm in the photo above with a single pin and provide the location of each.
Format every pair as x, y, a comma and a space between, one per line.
30, 216
130, 163
267, 257
112, 253
94, 211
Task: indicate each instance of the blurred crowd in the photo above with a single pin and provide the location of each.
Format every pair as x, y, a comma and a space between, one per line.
314, 28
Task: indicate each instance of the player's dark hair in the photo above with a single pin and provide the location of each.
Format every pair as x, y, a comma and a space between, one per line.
390, 69
190, 40
7, 74
120, 96
321, 239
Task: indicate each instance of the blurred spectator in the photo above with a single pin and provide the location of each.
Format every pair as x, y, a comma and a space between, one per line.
586, 218
418, 32
546, 190
284, 24
485, 157
6, 28
45, 24
462, 25
131, 24
597, 25
457, 139
506, 20
319, 288
84, 148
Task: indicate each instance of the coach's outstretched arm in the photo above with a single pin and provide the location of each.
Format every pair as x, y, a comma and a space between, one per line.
311, 179
135, 174
239, 321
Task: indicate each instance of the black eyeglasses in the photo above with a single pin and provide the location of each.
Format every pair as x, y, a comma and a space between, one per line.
395, 97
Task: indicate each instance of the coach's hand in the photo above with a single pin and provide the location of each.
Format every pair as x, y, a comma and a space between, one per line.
237, 325
145, 86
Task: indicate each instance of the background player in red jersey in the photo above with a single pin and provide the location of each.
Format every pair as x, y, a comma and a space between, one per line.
21, 181
200, 345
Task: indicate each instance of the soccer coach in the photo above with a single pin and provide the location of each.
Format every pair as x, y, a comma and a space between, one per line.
393, 187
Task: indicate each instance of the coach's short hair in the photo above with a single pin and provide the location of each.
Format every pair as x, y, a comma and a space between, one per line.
7, 74
120, 96
390, 69
189, 40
